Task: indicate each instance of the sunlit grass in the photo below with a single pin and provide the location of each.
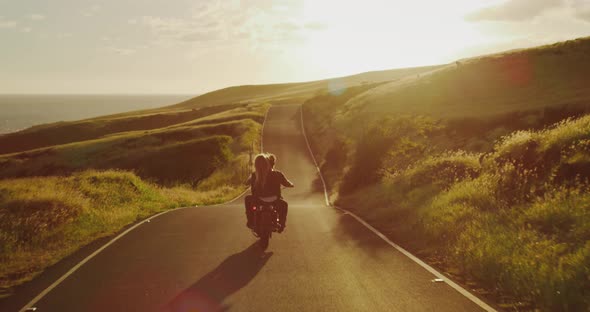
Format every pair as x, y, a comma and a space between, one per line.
518, 222
494, 189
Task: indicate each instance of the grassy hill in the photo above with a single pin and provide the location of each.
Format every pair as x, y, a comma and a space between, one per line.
182, 153
67, 132
293, 92
219, 101
544, 77
481, 167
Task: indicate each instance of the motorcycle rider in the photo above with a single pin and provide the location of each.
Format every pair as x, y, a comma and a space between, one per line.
265, 184
257, 182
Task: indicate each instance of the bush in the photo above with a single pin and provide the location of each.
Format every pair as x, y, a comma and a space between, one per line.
528, 161
379, 141
563, 215
451, 211
441, 170
188, 162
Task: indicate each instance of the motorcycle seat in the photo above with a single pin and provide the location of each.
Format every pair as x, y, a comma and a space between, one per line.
269, 199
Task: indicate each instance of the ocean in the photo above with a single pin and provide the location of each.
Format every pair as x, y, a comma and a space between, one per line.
18, 112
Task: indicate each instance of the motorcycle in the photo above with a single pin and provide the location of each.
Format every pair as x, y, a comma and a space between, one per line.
266, 221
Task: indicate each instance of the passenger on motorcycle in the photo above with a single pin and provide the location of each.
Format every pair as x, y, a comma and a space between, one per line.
265, 183
277, 179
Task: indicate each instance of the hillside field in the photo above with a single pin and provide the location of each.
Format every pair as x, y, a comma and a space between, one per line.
481, 167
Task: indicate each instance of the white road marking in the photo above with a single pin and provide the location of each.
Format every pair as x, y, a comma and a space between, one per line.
428, 268
313, 158
262, 131
29, 306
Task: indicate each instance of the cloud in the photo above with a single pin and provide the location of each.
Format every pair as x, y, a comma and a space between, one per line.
64, 35
199, 36
121, 51
91, 11
6, 23
315, 26
515, 10
225, 21
287, 26
36, 17
581, 9
178, 29
583, 15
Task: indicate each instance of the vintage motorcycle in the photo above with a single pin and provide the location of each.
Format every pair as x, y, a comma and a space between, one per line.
266, 221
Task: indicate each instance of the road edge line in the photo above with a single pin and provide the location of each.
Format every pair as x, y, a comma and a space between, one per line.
417, 260
262, 129
313, 157
103, 247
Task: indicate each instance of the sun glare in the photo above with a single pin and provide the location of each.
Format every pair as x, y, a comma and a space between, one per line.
391, 34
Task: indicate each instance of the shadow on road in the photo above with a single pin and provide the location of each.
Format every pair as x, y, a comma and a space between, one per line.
209, 292
351, 230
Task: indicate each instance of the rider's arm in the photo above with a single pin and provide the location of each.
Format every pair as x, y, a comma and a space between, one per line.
285, 182
249, 181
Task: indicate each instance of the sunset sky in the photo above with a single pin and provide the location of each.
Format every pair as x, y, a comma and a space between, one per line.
157, 46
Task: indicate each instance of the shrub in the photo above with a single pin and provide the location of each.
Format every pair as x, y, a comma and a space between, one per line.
451, 211
187, 162
563, 215
441, 170
519, 147
382, 138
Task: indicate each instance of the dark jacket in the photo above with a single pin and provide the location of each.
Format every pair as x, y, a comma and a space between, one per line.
273, 184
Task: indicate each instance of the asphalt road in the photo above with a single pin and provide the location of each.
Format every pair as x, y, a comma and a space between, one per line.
204, 259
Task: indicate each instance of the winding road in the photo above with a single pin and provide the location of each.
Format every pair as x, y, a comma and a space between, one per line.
204, 258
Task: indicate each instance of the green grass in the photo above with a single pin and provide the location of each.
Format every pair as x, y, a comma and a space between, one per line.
42, 220
484, 175
180, 153
68, 132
